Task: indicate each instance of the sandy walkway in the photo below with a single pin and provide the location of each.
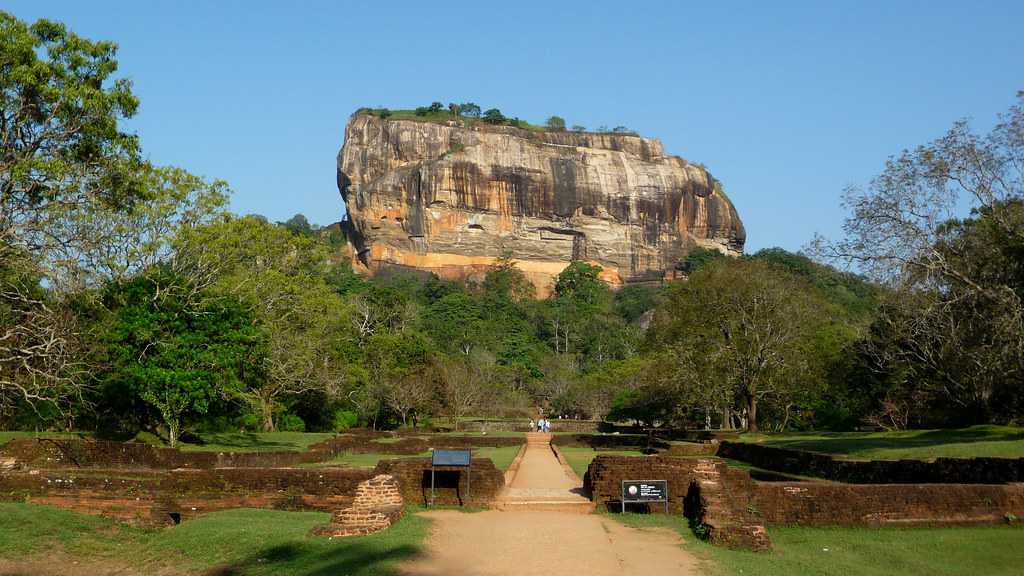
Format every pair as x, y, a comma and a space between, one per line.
513, 543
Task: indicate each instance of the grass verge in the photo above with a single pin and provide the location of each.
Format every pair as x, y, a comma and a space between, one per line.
950, 551
579, 457
985, 440
244, 541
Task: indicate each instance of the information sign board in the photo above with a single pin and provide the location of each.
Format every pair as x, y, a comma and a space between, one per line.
644, 491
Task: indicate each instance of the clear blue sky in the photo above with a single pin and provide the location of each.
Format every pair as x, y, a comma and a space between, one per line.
786, 102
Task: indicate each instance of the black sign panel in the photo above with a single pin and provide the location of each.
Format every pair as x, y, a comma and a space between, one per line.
451, 457
645, 490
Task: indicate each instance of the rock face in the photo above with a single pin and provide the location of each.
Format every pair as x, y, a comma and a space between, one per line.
450, 197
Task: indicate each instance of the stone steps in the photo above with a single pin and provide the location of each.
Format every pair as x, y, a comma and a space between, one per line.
7, 462
571, 506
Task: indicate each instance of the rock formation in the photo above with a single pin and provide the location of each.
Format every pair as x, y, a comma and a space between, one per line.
450, 197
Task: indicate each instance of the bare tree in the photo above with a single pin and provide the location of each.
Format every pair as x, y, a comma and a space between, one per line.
957, 304
466, 383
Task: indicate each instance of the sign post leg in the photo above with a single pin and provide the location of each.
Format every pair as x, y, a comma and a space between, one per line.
431, 486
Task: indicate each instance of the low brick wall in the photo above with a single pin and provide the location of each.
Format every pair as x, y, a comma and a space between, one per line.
609, 441
938, 471
826, 504
166, 496
583, 426
705, 490
413, 475
603, 480
66, 453
62, 453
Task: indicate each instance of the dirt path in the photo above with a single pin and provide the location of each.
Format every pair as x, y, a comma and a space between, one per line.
514, 543
524, 539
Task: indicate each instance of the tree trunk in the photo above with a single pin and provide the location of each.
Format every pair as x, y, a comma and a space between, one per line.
727, 418
267, 408
752, 414
173, 431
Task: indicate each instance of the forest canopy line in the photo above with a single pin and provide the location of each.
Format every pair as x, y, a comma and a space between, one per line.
132, 300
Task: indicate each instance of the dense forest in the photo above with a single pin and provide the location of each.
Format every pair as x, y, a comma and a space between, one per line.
132, 299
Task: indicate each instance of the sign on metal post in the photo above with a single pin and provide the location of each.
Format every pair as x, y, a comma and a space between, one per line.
451, 458
644, 491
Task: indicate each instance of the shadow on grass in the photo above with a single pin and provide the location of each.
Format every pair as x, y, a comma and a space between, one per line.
347, 558
854, 444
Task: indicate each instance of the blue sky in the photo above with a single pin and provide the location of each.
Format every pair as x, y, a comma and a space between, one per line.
786, 102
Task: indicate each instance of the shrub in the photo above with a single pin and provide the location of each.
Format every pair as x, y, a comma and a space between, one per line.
291, 423
345, 419
555, 123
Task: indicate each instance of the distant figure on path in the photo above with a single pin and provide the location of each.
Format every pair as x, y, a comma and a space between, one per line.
533, 427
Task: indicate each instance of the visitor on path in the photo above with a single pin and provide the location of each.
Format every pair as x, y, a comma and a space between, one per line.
533, 427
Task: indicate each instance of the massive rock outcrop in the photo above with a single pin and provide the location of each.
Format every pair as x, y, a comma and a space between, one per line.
449, 197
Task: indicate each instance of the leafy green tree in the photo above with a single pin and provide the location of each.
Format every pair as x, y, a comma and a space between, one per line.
578, 128
956, 315
555, 123
494, 116
179, 350
63, 150
754, 323
470, 110
635, 300
281, 277
700, 257
298, 224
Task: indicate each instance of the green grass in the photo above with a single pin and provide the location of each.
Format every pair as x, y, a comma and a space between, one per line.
952, 551
7, 436
245, 541
256, 441
361, 460
993, 441
501, 457
579, 457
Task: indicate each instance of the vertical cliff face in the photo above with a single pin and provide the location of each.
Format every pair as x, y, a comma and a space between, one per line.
450, 197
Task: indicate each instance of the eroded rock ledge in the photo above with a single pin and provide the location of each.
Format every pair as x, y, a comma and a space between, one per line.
450, 197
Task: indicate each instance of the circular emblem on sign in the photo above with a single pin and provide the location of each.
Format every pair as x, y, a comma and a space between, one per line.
632, 490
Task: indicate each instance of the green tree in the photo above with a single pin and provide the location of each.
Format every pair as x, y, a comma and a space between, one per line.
281, 277
555, 123
755, 325
494, 116
470, 110
62, 150
956, 315
179, 350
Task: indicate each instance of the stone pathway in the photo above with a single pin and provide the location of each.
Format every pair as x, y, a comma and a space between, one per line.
542, 526
542, 483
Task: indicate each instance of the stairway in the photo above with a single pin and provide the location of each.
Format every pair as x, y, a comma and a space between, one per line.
541, 483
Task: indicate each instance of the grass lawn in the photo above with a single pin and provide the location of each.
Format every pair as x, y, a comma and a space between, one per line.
8, 436
579, 457
987, 440
954, 551
255, 441
501, 457
245, 541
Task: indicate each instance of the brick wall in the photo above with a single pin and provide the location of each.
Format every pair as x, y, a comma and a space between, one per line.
939, 471
376, 505
68, 453
827, 504
703, 489
603, 480
153, 496
413, 475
